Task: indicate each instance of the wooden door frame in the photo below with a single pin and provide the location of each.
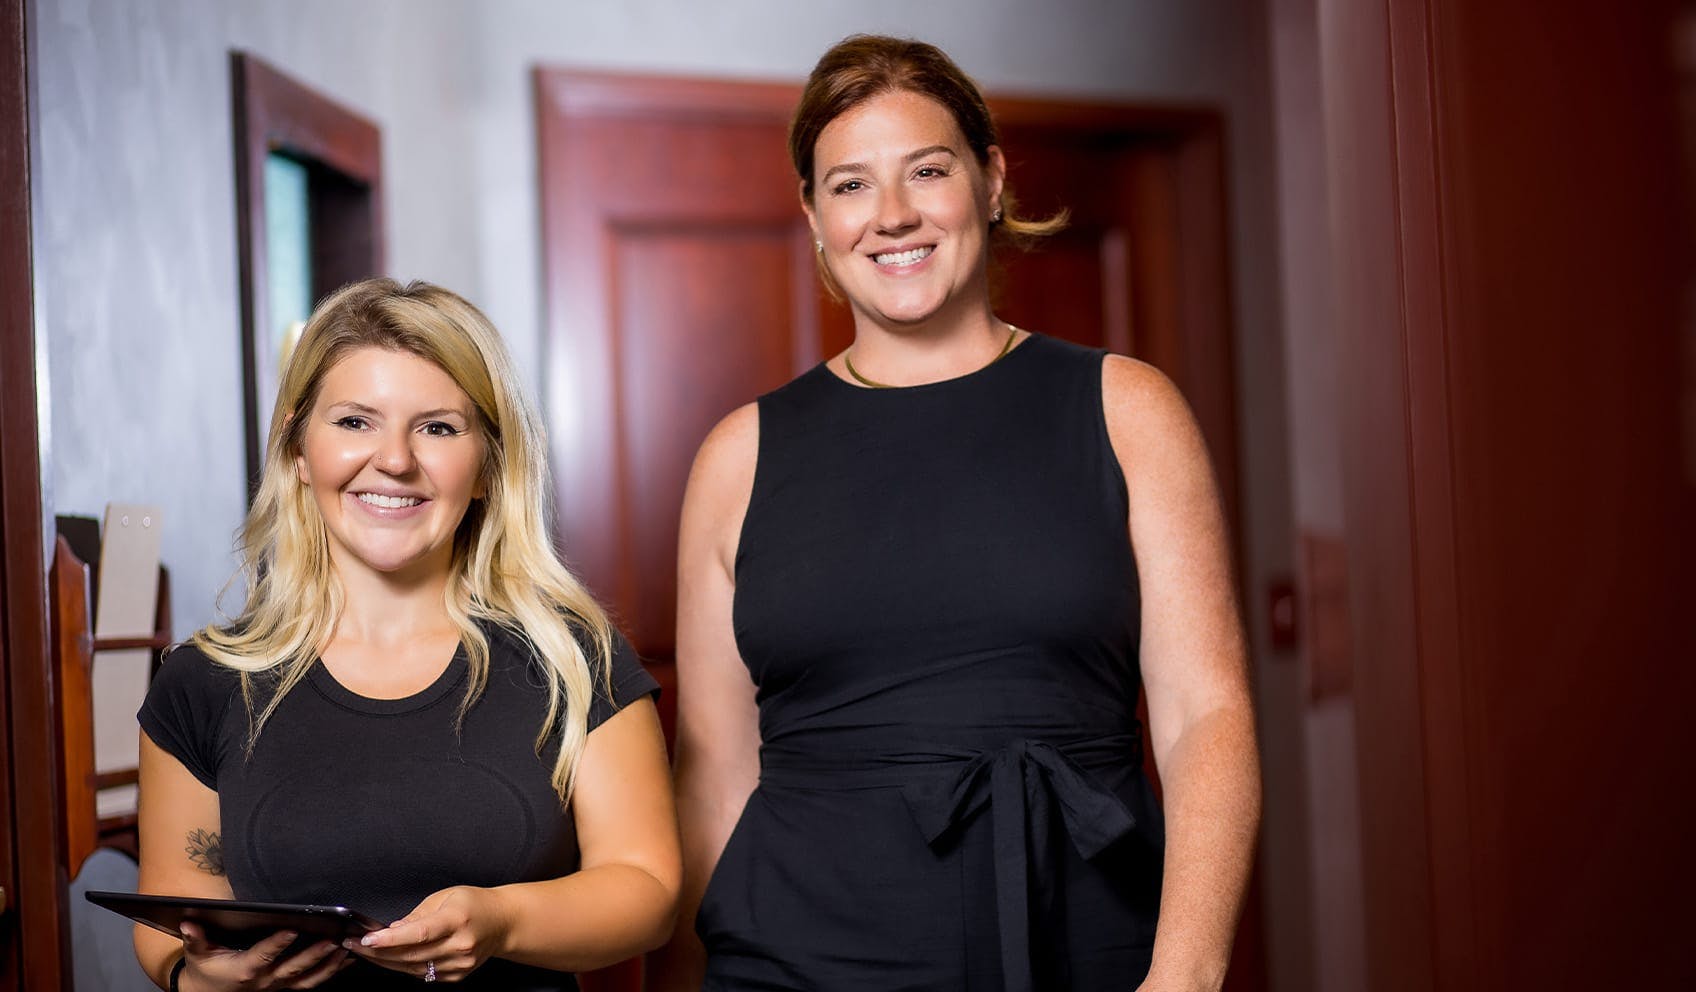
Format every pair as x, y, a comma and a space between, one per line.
36, 920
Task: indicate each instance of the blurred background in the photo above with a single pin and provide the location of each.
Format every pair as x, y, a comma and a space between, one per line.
1422, 267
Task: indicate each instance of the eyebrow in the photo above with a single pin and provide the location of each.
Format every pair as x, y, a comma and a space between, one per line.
906, 159
373, 411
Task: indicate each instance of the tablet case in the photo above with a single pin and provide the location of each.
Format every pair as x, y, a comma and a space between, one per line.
236, 924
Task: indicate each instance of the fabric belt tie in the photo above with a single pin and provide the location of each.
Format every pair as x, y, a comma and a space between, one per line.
1018, 781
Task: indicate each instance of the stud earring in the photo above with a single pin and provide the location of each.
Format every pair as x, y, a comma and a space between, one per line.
995, 218
818, 246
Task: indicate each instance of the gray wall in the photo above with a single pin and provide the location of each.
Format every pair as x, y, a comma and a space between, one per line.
136, 231
136, 234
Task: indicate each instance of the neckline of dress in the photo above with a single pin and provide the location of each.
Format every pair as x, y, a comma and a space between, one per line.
974, 375
451, 676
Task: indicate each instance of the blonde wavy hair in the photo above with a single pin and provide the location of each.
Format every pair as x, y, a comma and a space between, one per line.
504, 568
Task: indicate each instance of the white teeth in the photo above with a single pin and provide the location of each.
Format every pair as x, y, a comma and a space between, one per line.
393, 502
901, 257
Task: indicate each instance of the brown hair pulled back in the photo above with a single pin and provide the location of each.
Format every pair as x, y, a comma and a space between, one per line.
862, 66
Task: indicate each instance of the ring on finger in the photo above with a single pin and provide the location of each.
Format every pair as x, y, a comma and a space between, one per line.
429, 971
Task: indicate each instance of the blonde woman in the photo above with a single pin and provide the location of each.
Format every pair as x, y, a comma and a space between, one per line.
418, 713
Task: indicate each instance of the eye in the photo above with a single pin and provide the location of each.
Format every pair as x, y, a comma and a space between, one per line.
437, 428
847, 186
929, 172
353, 423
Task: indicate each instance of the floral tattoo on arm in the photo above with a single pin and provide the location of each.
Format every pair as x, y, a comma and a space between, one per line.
206, 849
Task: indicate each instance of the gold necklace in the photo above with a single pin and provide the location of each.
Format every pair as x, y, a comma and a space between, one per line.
1012, 332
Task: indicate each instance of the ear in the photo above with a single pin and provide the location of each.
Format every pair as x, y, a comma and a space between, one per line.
299, 459
995, 175
807, 208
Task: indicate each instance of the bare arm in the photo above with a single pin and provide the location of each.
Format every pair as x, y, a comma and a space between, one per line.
1194, 666
718, 740
182, 855
618, 904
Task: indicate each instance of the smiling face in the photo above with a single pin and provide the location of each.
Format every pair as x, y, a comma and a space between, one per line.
902, 209
393, 453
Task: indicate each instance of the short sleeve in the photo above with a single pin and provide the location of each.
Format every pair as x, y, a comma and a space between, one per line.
185, 708
630, 682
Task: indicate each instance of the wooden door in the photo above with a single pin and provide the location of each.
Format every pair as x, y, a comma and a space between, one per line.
33, 917
679, 281
680, 284
1519, 459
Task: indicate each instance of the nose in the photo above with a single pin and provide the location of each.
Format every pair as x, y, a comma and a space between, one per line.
394, 455
895, 210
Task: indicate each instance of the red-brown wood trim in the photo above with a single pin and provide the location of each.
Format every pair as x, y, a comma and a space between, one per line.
36, 918
274, 112
588, 94
1437, 583
158, 642
1204, 250
284, 114
1143, 120
114, 779
73, 660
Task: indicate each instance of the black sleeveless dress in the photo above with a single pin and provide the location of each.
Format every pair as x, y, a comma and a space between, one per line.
936, 598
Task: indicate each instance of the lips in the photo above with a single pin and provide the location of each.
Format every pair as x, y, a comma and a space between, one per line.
905, 257
388, 502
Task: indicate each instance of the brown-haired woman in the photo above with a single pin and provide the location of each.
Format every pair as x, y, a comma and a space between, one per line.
920, 588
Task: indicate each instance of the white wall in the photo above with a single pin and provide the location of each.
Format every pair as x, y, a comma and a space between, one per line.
136, 233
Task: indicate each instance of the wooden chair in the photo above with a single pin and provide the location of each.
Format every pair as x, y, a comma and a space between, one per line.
74, 647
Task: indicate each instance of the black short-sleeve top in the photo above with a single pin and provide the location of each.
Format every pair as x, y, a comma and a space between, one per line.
377, 803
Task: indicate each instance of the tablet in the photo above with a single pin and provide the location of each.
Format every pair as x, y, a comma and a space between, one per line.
236, 924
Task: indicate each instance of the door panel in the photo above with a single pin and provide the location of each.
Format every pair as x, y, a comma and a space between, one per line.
1065, 288
696, 296
686, 356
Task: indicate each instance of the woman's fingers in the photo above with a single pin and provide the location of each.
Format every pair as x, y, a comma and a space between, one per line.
325, 969
268, 963
405, 933
270, 950
296, 966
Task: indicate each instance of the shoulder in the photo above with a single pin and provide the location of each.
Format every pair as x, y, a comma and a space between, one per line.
512, 647
724, 465
733, 438
1152, 429
187, 668
626, 678
187, 709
